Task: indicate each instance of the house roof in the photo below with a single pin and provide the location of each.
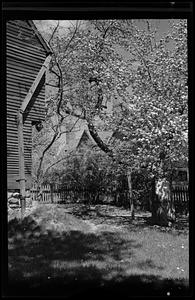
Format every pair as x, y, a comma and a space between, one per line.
81, 135
104, 135
41, 39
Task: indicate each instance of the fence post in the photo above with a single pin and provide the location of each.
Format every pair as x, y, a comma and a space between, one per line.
51, 192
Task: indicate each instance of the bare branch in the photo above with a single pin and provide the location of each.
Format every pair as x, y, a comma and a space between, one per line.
149, 30
48, 147
54, 72
73, 125
106, 30
72, 113
55, 29
146, 66
55, 163
70, 41
52, 85
60, 83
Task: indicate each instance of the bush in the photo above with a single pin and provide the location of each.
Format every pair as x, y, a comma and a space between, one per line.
92, 177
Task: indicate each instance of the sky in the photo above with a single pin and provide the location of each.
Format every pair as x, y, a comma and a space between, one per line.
45, 26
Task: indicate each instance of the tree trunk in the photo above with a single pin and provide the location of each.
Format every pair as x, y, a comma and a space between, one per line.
130, 195
161, 203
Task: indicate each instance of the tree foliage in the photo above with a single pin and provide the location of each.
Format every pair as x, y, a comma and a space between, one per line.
156, 119
125, 61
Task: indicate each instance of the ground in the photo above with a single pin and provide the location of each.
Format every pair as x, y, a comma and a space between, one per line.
77, 249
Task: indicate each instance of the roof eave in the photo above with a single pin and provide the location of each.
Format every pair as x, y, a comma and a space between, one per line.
43, 42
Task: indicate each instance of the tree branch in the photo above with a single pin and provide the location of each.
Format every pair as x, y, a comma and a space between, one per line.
54, 72
43, 154
149, 30
98, 140
71, 39
52, 85
71, 113
55, 29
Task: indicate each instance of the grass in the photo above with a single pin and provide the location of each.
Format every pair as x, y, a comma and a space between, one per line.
51, 249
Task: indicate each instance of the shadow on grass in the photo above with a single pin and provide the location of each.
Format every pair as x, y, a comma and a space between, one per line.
95, 287
100, 217
51, 264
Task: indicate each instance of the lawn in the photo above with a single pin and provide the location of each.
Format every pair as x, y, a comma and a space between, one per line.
68, 250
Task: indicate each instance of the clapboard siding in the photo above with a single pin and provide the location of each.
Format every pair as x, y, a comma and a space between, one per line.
22, 58
13, 184
21, 44
12, 151
11, 49
16, 65
18, 87
24, 33
25, 55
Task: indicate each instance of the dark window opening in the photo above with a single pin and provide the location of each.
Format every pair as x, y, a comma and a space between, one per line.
38, 125
180, 175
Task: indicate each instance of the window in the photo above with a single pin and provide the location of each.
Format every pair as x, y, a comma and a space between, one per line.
180, 175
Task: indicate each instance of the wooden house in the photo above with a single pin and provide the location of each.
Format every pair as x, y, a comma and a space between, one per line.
27, 58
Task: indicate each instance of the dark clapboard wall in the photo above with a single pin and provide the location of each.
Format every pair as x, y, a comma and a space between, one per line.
25, 54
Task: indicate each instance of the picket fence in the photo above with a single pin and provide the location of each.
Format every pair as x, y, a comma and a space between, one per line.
180, 194
46, 194
52, 194
180, 198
